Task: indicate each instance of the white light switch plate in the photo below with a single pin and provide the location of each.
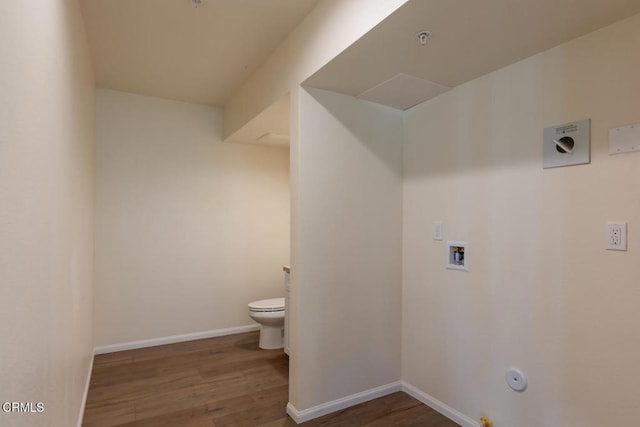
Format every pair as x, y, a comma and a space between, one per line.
437, 230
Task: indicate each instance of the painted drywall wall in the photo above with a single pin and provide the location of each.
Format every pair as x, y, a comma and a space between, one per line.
329, 28
346, 241
46, 212
188, 229
542, 293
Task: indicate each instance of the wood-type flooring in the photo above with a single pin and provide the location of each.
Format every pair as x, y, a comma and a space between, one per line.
223, 381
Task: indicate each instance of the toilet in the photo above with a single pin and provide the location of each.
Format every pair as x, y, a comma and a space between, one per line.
269, 313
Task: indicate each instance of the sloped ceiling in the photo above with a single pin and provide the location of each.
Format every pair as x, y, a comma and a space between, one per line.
170, 49
469, 38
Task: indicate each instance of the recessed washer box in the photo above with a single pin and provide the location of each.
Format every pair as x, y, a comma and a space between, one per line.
567, 144
458, 255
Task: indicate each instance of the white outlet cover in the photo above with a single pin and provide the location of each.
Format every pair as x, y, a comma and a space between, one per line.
616, 236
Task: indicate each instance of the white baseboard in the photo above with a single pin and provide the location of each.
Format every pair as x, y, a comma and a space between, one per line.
345, 402
175, 339
439, 406
83, 404
374, 393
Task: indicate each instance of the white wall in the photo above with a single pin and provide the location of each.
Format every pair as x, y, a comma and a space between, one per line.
326, 31
188, 229
346, 247
542, 293
46, 211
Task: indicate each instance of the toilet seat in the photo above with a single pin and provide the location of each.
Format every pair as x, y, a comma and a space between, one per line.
267, 305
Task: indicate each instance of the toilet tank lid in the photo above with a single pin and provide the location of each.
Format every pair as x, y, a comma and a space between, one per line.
271, 303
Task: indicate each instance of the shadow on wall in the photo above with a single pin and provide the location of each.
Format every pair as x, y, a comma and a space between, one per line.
362, 124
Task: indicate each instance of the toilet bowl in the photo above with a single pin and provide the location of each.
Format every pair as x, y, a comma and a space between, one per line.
269, 313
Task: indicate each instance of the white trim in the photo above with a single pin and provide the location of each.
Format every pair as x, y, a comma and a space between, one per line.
439, 406
175, 339
342, 403
83, 404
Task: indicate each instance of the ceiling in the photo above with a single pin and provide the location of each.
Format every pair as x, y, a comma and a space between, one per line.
469, 38
170, 49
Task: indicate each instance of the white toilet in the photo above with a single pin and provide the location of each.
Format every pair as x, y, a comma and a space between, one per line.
269, 313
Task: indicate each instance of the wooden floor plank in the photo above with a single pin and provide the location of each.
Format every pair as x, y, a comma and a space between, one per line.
221, 382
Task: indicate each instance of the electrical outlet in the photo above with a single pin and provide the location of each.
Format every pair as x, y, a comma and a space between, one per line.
616, 236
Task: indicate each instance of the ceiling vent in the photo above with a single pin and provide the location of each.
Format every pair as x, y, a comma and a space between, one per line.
403, 91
